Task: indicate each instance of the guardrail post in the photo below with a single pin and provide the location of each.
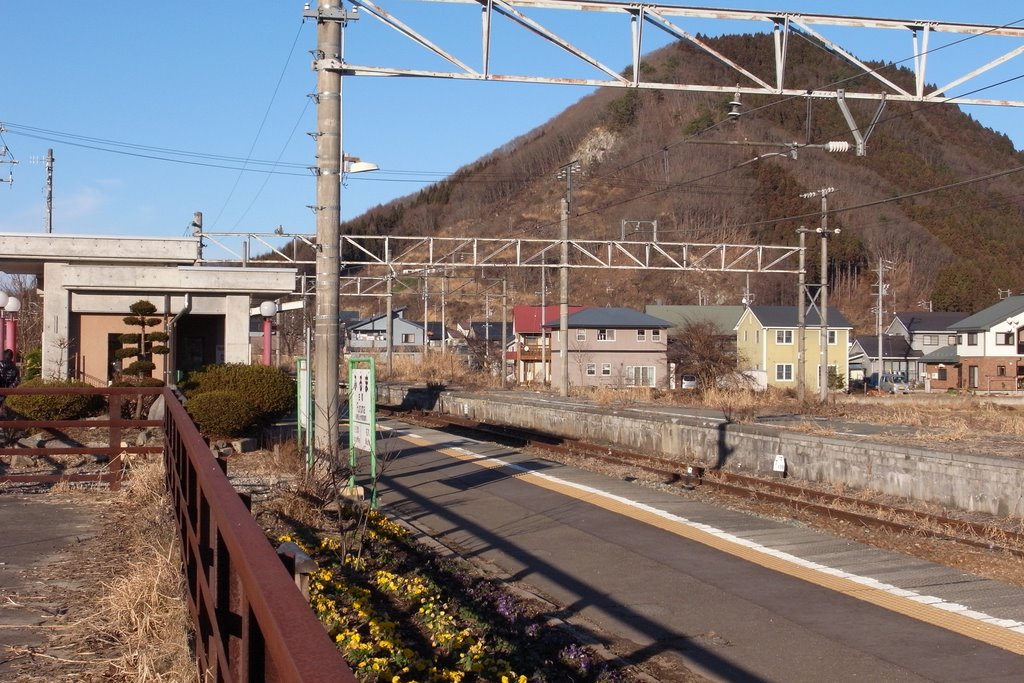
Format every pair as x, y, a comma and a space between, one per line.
299, 565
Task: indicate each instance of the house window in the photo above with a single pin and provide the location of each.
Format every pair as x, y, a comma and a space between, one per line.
783, 336
606, 335
591, 369
972, 338
953, 340
581, 335
941, 374
640, 375
408, 339
784, 372
930, 340
1004, 338
832, 337
606, 369
1001, 371
641, 335
655, 335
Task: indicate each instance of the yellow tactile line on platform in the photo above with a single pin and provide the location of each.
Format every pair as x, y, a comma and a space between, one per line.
920, 607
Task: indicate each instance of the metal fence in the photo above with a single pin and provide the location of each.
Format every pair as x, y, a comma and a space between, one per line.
59, 432
252, 622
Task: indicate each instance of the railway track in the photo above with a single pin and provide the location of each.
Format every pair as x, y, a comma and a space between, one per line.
855, 511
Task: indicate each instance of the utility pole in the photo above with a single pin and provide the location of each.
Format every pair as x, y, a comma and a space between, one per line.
426, 314
6, 158
389, 325
49, 186
444, 319
801, 320
544, 341
882, 287
824, 232
566, 172
504, 322
49, 190
330, 19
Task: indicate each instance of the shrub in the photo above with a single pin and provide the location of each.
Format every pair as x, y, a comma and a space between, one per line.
55, 406
128, 403
270, 390
222, 413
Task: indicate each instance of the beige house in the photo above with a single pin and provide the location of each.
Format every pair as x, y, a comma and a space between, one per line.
767, 340
613, 347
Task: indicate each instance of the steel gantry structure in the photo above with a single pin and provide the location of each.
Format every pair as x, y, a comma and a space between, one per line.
330, 64
669, 20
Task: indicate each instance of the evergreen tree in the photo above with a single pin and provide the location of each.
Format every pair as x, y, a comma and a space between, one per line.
145, 343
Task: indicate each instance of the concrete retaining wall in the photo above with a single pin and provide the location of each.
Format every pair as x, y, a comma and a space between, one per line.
959, 480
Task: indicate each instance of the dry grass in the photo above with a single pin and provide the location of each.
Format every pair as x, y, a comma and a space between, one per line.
435, 368
140, 618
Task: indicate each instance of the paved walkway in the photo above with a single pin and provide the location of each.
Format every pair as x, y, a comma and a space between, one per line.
732, 596
38, 532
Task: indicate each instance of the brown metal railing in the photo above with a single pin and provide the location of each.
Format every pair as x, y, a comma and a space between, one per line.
252, 622
113, 424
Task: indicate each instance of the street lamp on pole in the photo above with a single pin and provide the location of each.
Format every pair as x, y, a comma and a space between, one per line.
824, 233
11, 324
268, 309
4, 298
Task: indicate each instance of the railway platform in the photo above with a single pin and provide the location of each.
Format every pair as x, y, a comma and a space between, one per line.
664, 578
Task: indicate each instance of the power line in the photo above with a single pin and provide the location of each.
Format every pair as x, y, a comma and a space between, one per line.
259, 131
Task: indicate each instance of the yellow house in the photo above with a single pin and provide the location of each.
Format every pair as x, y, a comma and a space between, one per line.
767, 340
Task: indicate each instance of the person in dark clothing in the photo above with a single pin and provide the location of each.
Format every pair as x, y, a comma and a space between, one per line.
9, 376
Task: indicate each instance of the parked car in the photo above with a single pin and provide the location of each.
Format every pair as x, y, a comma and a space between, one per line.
688, 381
891, 383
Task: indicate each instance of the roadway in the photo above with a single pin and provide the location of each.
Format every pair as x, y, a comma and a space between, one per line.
666, 578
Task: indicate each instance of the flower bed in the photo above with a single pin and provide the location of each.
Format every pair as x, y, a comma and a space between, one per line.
399, 613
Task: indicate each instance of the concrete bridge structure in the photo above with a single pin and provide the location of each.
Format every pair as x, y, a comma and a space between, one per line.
87, 284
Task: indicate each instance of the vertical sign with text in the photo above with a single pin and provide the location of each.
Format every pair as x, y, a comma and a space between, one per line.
362, 417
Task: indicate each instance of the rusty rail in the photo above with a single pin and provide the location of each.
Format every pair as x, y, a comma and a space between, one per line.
252, 622
113, 423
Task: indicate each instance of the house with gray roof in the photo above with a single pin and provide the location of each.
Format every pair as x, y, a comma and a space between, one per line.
897, 357
613, 347
989, 347
371, 333
767, 340
925, 332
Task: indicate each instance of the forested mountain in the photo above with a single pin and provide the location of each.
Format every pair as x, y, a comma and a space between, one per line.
646, 156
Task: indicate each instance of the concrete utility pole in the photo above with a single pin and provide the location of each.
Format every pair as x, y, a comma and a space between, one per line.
824, 232
878, 314
801, 321
566, 172
329, 17
49, 190
544, 341
389, 325
504, 323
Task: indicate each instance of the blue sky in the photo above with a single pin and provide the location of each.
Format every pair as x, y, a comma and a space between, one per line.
224, 83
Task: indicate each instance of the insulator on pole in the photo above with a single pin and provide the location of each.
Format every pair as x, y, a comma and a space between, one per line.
837, 146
